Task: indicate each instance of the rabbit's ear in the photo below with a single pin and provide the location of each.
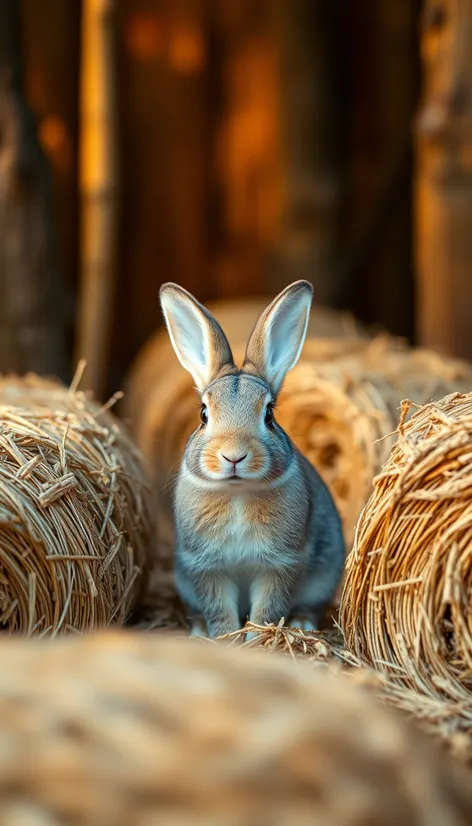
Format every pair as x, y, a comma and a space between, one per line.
276, 342
197, 338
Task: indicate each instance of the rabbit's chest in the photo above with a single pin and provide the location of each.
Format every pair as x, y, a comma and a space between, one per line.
245, 538
238, 531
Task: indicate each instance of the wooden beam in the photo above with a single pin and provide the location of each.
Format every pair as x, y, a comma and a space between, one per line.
443, 200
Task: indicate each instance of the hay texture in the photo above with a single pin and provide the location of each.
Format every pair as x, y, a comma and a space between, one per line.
341, 409
406, 603
117, 729
75, 511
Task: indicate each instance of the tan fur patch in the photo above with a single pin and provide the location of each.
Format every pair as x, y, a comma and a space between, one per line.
256, 462
211, 459
262, 510
213, 513
233, 447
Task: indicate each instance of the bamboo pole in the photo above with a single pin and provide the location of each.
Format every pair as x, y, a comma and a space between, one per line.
98, 176
444, 179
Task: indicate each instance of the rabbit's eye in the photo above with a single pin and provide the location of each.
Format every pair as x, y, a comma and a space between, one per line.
269, 415
204, 414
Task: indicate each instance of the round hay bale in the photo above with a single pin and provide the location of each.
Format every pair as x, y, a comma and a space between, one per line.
75, 511
118, 729
339, 412
406, 602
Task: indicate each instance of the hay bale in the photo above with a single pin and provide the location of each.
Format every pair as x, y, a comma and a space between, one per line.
339, 412
75, 511
120, 729
406, 603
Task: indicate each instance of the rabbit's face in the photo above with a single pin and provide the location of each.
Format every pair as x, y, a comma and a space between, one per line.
238, 441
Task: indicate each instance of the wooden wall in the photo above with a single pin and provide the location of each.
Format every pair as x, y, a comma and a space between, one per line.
258, 142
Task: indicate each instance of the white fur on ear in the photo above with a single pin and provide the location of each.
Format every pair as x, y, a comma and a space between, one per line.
196, 337
278, 337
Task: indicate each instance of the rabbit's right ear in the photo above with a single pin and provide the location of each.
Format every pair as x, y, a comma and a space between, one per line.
276, 342
197, 338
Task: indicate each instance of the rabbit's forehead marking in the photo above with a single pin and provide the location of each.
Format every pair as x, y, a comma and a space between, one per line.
235, 379
235, 399
232, 389
236, 405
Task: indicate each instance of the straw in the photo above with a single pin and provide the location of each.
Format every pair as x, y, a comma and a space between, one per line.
340, 411
75, 511
405, 607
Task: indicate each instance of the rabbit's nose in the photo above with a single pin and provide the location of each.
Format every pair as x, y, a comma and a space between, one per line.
234, 461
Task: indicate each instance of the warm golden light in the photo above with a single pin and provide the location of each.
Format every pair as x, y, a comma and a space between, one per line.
186, 49
55, 141
144, 37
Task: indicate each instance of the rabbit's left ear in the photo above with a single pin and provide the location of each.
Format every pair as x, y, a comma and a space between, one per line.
276, 342
197, 338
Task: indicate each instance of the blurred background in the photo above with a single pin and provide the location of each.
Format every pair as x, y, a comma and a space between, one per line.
231, 146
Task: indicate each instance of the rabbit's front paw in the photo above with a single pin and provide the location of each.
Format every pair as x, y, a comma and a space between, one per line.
305, 622
198, 628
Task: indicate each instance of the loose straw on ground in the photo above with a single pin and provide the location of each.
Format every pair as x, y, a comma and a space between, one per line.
406, 603
75, 511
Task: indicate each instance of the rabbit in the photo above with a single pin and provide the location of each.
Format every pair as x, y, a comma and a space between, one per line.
258, 535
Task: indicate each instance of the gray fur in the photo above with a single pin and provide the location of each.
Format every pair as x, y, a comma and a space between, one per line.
268, 544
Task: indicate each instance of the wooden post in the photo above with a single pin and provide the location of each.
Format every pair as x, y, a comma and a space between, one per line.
51, 55
395, 27
32, 300
98, 190
164, 131
310, 125
444, 179
245, 197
